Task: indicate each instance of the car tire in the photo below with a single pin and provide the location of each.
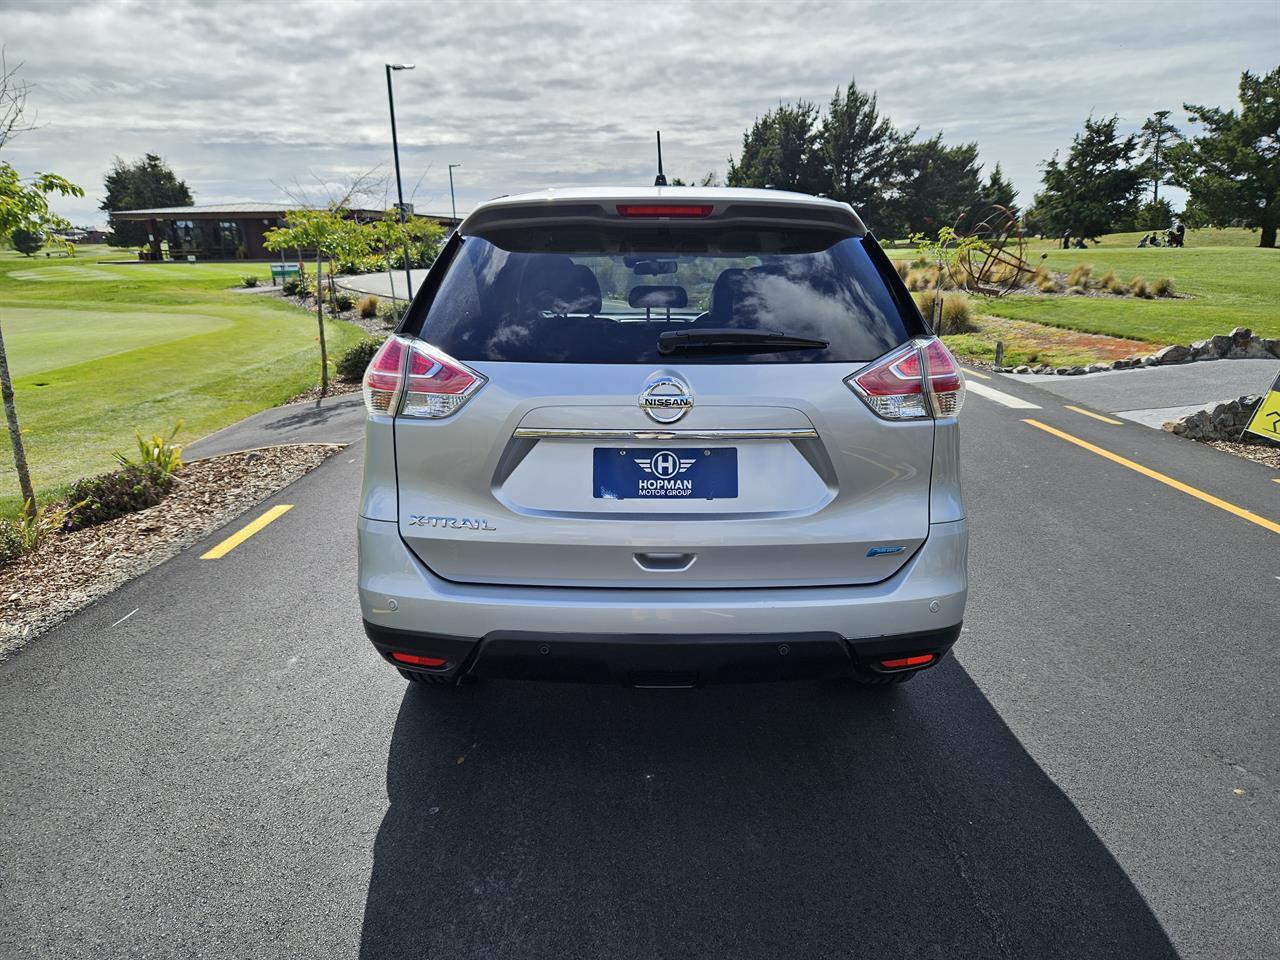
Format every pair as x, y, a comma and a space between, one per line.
431, 679
868, 679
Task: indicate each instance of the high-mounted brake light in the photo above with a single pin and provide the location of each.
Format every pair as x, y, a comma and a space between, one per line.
675, 210
894, 389
415, 379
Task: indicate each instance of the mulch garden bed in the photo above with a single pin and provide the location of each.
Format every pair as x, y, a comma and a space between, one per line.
1260, 453
337, 388
69, 571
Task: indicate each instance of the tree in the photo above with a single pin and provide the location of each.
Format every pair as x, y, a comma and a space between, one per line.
24, 207
781, 150
315, 230
1154, 140
998, 190
864, 154
1155, 215
942, 186
140, 185
1232, 171
26, 242
1095, 190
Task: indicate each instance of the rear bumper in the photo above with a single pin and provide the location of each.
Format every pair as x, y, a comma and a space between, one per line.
658, 660
400, 597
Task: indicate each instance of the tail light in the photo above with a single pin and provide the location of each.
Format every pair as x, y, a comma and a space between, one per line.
895, 390
414, 379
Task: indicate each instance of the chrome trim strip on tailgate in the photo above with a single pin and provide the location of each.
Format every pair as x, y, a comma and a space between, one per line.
557, 433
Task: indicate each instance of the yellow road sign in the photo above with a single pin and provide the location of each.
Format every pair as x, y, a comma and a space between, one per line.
1265, 421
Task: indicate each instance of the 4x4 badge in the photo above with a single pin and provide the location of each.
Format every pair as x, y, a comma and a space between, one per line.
666, 399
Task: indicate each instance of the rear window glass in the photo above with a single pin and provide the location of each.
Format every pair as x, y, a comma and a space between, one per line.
587, 295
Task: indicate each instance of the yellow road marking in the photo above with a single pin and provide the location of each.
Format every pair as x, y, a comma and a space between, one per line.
1276, 480
975, 373
1090, 413
1156, 475
247, 531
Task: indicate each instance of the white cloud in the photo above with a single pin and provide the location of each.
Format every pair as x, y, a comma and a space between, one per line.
240, 97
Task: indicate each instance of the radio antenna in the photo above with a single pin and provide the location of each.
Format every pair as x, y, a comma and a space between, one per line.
660, 180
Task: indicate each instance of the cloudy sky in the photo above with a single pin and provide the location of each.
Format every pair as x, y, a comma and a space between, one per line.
247, 101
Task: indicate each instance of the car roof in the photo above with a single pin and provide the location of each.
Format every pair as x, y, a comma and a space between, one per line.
599, 204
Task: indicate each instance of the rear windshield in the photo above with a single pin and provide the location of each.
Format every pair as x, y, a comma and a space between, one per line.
579, 295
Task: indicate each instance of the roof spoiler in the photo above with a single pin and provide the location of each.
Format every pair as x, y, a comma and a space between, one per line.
504, 215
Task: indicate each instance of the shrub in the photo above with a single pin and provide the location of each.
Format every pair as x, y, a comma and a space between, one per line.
368, 307
925, 300
1079, 275
352, 363
26, 242
157, 451
344, 301
1164, 287
110, 495
250, 280
11, 543
956, 317
295, 286
389, 312
1045, 282
903, 268
1138, 288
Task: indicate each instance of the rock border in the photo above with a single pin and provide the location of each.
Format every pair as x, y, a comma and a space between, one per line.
1220, 421
1239, 344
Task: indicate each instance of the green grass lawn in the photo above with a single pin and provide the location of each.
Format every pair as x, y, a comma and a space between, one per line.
1230, 280
99, 351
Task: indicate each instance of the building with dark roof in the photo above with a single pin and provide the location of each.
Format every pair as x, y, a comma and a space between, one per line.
227, 231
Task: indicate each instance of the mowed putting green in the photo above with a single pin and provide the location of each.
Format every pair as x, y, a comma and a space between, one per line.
96, 359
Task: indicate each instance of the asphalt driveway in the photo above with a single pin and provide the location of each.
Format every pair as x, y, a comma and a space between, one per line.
212, 762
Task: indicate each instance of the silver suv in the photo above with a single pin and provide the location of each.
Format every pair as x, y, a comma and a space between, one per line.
662, 436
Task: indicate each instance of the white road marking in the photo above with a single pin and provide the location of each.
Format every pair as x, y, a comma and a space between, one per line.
999, 396
126, 616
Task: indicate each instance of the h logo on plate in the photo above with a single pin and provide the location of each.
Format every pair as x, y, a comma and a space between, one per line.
664, 464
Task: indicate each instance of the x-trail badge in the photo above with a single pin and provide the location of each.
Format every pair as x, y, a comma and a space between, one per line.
666, 399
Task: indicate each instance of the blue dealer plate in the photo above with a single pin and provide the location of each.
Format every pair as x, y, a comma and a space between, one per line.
658, 473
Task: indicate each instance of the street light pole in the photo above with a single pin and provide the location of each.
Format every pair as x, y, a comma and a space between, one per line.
453, 203
395, 150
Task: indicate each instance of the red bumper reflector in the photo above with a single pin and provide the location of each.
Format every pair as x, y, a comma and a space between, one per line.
917, 661
665, 209
414, 660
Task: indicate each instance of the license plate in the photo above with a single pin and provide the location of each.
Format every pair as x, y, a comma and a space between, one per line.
660, 473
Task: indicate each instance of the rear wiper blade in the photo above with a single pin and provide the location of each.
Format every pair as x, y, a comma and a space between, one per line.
732, 339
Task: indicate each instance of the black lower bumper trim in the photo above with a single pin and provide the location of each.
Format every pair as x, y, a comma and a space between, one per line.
656, 660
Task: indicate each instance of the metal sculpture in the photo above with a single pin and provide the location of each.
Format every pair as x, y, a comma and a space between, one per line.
997, 264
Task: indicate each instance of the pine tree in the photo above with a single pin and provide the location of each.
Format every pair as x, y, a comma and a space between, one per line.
1095, 189
1232, 171
140, 185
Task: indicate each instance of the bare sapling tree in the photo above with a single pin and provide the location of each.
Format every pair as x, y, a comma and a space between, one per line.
327, 228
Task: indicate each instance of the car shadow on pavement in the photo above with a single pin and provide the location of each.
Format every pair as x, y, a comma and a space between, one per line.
791, 820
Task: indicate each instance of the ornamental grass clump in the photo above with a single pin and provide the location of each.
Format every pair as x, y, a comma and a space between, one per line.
1164, 287
1138, 288
1079, 275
